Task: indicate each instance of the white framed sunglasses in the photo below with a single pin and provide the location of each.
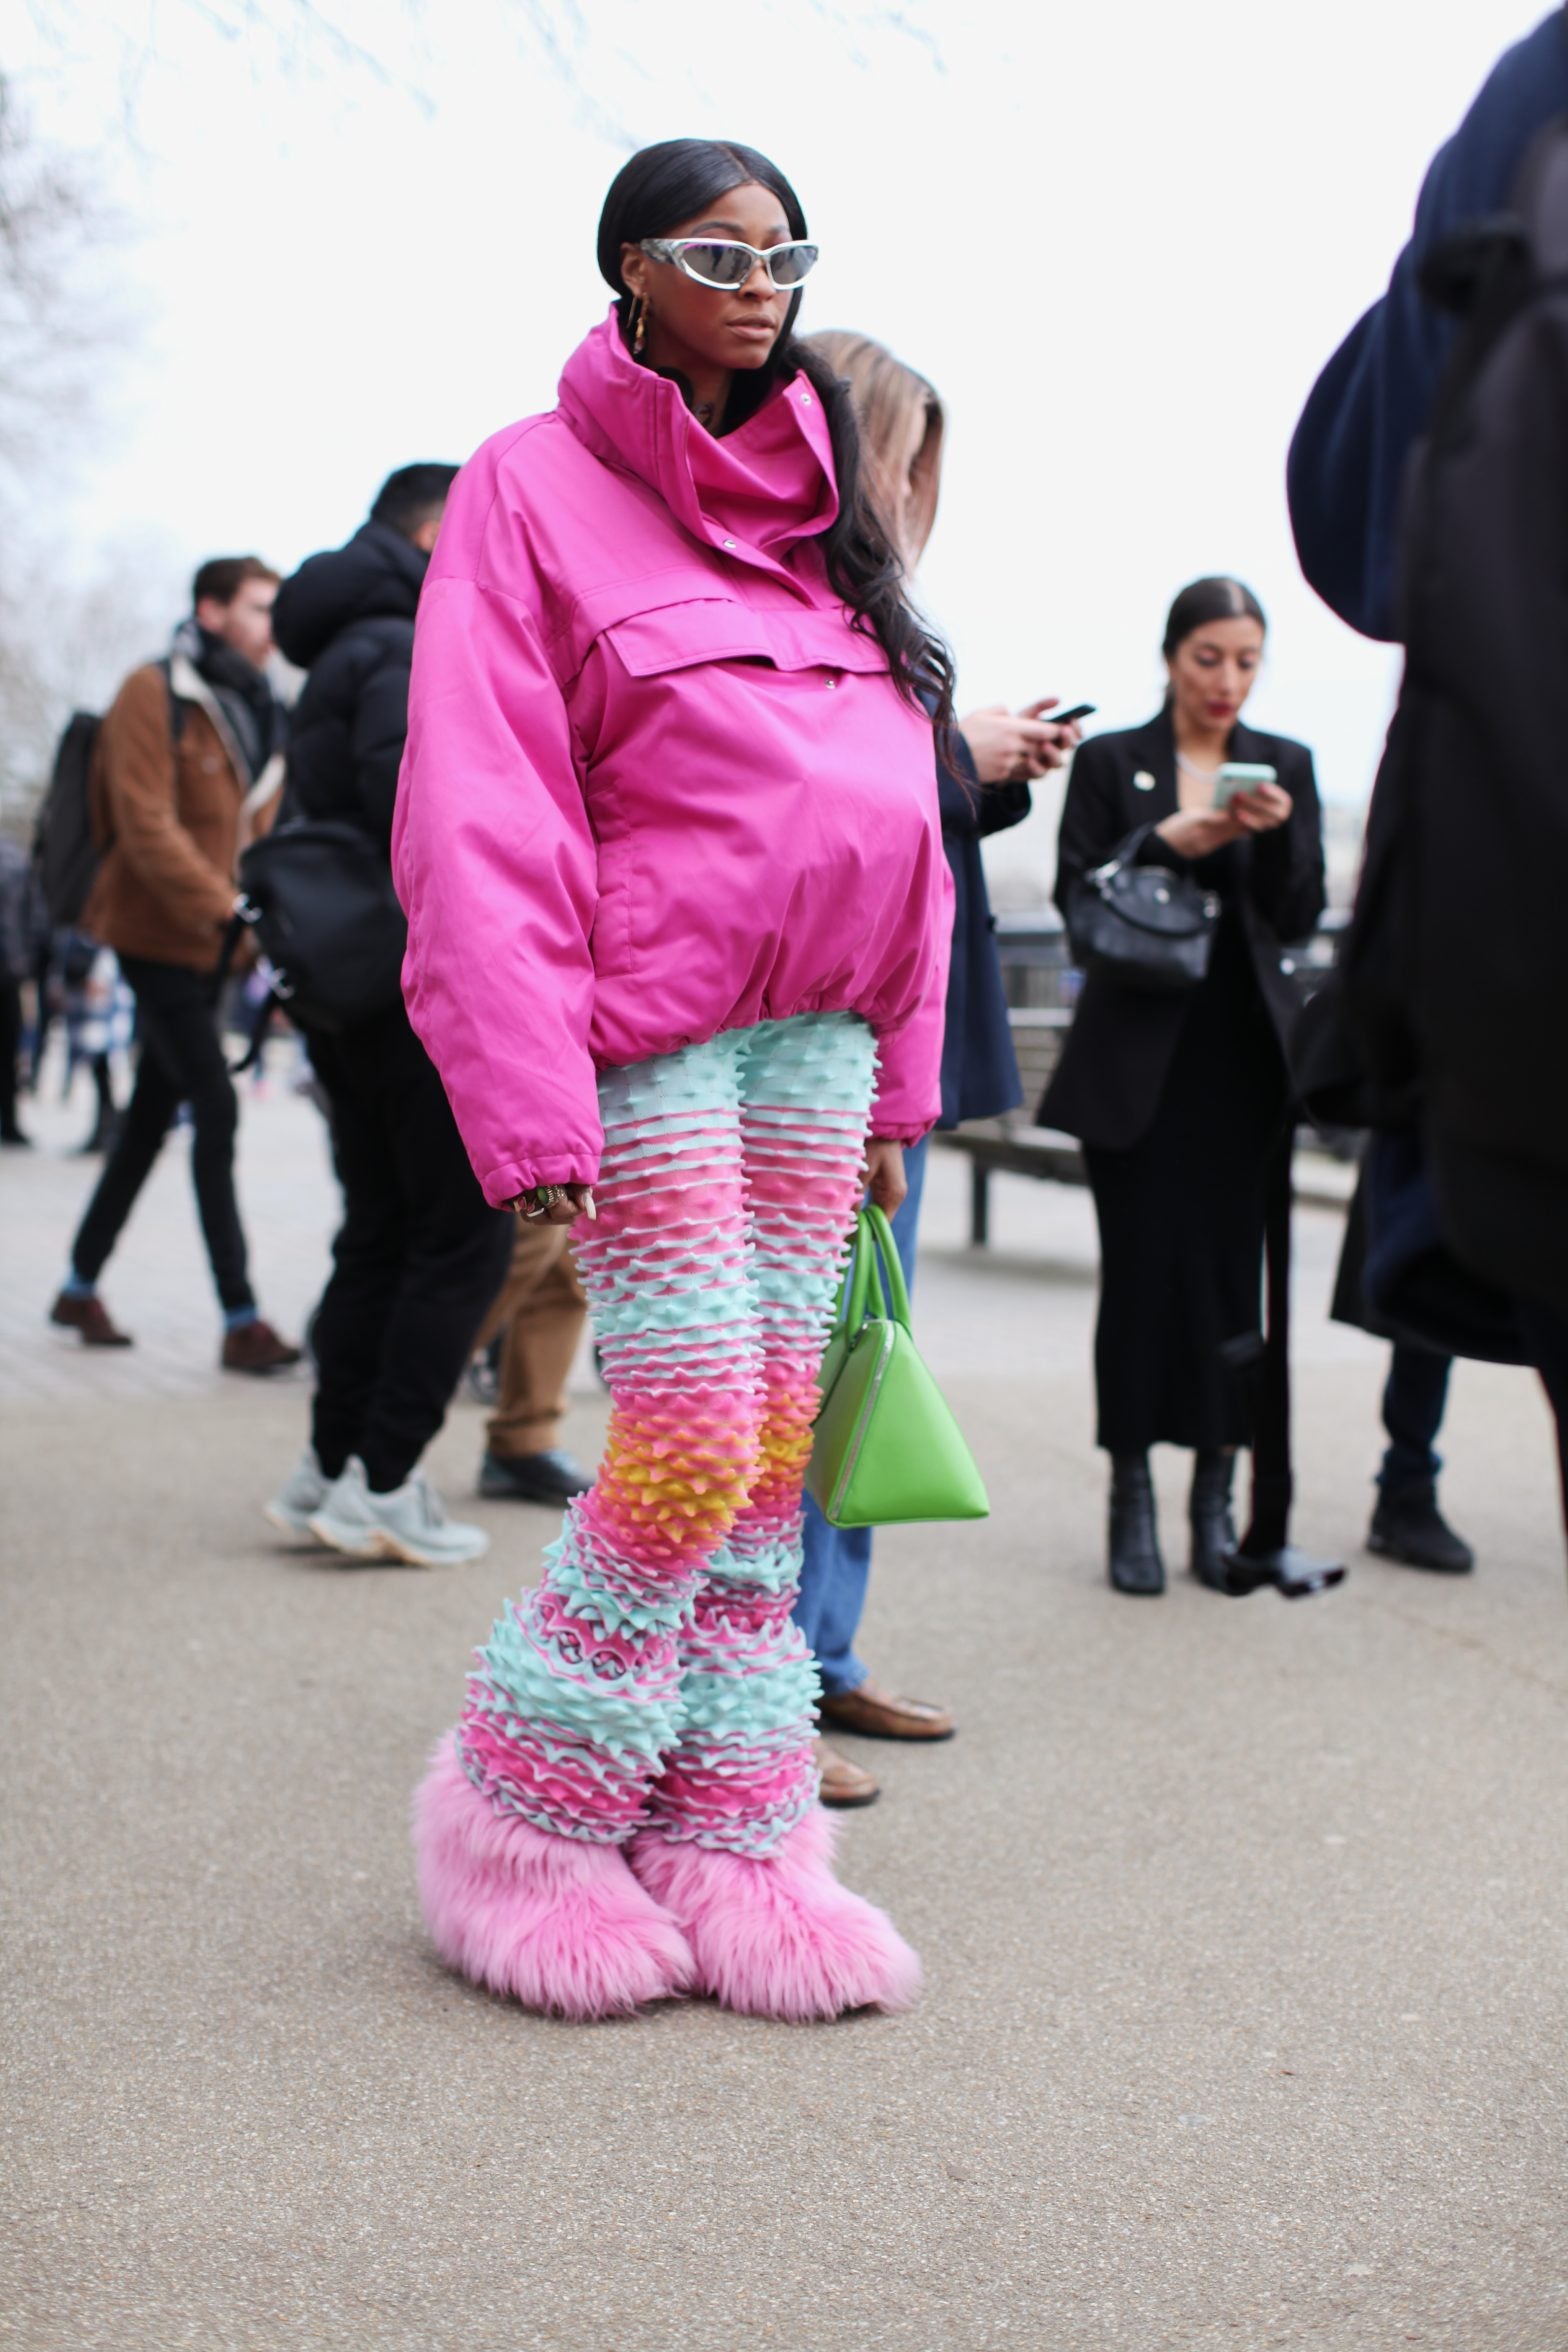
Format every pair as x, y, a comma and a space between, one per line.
725, 263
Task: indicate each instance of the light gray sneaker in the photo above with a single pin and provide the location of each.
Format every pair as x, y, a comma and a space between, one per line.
304, 1491
408, 1524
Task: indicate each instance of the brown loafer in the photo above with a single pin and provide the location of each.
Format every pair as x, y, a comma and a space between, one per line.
90, 1317
256, 1347
873, 1713
844, 1784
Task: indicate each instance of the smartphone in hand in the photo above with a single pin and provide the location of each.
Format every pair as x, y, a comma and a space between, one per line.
1237, 776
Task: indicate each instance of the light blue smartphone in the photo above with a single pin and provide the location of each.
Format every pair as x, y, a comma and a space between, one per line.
1236, 776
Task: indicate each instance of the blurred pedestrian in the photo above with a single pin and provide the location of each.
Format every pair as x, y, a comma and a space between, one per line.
1179, 1096
99, 1012
420, 1252
17, 927
184, 770
679, 918
983, 785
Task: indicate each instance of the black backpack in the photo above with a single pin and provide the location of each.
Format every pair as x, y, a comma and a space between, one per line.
319, 901
1455, 966
66, 855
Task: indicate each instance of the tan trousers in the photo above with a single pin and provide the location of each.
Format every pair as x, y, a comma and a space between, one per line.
542, 1307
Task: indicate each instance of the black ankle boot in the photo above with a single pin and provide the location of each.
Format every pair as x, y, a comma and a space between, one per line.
1135, 1563
1213, 1528
1408, 1526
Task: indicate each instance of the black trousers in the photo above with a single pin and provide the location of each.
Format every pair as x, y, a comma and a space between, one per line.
417, 1261
181, 1061
10, 1049
1414, 1399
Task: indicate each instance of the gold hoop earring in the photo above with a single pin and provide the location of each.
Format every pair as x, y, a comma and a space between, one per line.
640, 329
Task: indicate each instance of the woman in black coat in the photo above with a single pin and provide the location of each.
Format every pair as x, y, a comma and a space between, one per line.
1179, 1099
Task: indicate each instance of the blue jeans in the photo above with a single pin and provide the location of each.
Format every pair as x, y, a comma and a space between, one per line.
837, 1561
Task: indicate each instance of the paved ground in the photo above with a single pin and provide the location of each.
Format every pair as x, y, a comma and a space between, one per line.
1245, 1924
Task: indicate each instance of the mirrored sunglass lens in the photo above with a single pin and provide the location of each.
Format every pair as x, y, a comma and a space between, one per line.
789, 264
716, 264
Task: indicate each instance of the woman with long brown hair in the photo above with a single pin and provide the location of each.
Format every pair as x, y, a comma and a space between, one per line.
984, 770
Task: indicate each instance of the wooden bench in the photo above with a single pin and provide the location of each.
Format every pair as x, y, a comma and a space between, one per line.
1012, 1144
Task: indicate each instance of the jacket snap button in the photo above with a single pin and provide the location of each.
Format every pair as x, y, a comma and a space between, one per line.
830, 683
805, 400
729, 543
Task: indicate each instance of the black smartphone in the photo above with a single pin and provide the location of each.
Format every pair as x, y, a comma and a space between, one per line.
1069, 718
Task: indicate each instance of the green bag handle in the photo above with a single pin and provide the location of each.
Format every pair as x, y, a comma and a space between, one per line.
876, 1255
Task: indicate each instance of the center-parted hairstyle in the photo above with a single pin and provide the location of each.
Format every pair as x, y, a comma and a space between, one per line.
677, 181
1218, 598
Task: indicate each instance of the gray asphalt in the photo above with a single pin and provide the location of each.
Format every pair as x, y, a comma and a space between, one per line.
1244, 1923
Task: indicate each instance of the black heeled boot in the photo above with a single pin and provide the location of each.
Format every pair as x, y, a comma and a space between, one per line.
1213, 1528
1135, 1563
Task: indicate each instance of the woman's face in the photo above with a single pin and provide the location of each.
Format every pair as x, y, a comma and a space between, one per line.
698, 328
1213, 670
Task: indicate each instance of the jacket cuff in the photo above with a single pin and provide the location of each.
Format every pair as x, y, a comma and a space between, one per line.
501, 1185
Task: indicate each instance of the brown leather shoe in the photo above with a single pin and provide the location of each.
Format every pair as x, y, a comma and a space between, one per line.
90, 1317
873, 1713
256, 1347
844, 1784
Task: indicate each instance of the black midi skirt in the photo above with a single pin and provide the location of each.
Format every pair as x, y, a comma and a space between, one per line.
1181, 1226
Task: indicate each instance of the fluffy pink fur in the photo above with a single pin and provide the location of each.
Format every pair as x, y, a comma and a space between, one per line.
779, 1937
559, 1924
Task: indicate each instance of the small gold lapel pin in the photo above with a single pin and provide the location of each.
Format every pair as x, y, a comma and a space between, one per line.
1143, 781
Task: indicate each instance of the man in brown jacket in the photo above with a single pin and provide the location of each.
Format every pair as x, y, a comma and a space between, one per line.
187, 765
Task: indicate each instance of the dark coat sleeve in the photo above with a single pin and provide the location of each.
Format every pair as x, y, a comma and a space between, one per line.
972, 810
1372, 401
1285, 867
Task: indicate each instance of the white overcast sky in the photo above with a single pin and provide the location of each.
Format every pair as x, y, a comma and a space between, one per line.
1120, 239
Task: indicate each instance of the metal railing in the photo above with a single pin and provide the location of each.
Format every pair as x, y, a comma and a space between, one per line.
1039, 975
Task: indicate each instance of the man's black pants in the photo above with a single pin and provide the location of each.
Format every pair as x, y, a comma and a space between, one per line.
418, 1260
181, 1061
10, 1050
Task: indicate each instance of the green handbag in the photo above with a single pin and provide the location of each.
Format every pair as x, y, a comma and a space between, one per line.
887, 1450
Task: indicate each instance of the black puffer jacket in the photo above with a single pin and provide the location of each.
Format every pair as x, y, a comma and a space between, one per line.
348, 618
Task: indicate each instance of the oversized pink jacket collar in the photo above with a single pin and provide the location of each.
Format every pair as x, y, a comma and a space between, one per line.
755, 493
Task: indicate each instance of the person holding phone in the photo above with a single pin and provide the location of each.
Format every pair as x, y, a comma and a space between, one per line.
983, 774
1178, 1097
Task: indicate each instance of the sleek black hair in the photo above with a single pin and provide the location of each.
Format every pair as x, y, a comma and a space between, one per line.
1202, 601
411, 496
676, 181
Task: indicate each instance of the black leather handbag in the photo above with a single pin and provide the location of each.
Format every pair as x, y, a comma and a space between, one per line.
1142, 926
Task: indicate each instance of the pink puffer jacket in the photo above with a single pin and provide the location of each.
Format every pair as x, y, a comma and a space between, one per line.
656, 785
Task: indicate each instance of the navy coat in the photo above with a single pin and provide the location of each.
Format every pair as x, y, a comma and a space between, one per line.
1372, 401
979, 1068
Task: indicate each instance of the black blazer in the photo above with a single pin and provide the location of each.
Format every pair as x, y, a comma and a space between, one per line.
1108, 1082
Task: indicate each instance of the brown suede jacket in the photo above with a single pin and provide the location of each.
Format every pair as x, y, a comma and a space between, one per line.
171, 819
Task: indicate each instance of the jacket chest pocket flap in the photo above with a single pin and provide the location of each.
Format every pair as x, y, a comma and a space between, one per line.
686, 634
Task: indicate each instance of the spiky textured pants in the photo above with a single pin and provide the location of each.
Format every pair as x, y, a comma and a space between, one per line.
655, 1679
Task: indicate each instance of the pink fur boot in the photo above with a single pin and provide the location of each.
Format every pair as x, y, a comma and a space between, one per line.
778, 1936
556, 1922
